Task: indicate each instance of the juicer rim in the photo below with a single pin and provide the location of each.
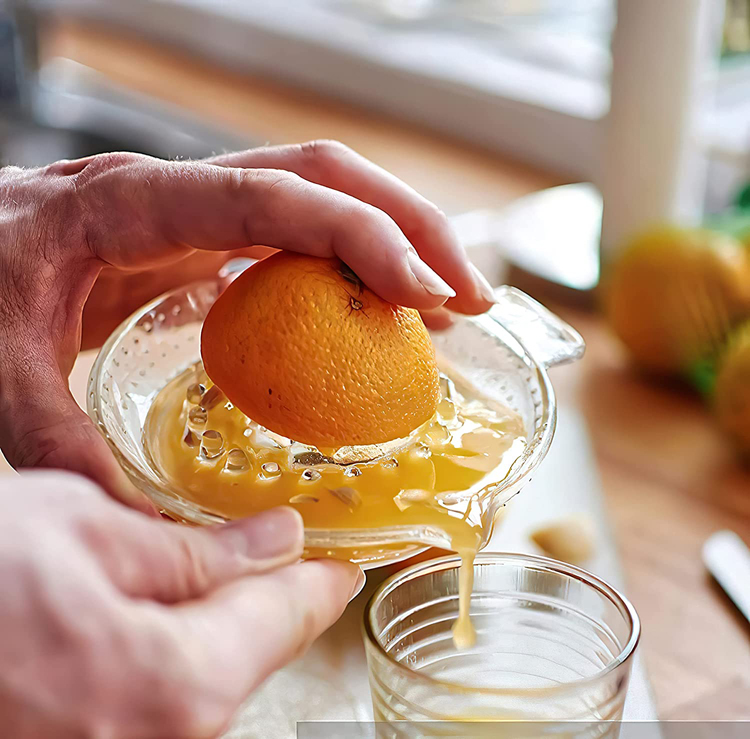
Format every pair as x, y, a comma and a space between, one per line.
519, 473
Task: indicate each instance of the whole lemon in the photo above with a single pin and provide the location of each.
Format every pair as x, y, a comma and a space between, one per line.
673, 293
732, 389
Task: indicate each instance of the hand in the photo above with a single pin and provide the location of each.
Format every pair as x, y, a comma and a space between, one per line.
114, 624
117, 293
61, 225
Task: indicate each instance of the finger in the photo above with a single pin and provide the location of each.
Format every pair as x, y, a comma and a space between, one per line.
171, 563
334, 165
438, 319
44, 427
244, 631
204, 206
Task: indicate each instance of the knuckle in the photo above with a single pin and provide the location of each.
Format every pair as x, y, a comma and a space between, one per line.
325, 158
101, 166
193, 573
112, 160
280, 188
95, 194
265, 196
236, 180
325, 149
60, 167
371, 220
96, 163
428, 219
266, 181
277, 178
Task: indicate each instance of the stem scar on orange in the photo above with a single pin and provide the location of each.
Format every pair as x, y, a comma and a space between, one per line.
302, 347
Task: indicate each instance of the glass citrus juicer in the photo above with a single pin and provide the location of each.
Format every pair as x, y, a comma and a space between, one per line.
501, 357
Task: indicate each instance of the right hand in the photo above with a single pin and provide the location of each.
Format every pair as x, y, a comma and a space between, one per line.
115, 624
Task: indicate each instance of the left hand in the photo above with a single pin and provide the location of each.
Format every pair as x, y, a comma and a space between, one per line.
117, 294
62, 225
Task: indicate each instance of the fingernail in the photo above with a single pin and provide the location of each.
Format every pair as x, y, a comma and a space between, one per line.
268, 535
358, 585
484, 287
428, 278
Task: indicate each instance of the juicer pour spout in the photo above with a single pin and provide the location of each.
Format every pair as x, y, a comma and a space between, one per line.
547, 338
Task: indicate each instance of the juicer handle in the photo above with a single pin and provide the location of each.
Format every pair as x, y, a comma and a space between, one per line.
546, 337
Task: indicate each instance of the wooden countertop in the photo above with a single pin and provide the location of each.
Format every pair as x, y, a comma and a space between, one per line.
669, 477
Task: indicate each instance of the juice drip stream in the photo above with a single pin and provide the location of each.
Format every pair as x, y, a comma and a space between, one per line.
439, 477
464, 635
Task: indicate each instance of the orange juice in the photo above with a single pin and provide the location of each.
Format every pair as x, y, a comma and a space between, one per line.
218, 458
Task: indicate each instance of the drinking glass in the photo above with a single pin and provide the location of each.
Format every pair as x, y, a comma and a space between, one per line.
553, 652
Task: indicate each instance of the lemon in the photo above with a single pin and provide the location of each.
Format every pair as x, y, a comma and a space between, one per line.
732, 388
673, 294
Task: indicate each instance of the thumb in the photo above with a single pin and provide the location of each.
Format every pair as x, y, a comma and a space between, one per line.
44, 427
166, 562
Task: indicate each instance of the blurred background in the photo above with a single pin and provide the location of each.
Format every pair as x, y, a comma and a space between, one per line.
596, 154
529, 77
